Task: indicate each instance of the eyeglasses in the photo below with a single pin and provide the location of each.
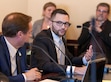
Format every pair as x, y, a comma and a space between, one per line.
60, 23
103, 11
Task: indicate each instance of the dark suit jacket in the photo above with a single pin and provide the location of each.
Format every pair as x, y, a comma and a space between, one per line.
5, 64
40, 59
105, 36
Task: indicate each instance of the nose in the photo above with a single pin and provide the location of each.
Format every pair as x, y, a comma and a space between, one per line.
63, 26
101, 12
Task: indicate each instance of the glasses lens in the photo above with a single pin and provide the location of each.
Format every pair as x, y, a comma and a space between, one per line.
103, 11
67, 24
60, 23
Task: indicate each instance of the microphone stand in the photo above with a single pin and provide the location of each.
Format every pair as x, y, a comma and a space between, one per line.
93, 71
49, 57
97, 43
68, 79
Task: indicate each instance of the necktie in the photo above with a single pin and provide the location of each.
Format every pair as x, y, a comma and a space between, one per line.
18, 62
61, 52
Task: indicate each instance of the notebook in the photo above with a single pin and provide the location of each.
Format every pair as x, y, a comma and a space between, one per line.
94, 71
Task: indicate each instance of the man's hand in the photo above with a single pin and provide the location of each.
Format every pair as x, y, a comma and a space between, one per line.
80, 70
33, 74
89, 53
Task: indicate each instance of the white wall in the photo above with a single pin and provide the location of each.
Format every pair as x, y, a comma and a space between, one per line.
79, 10
8, 6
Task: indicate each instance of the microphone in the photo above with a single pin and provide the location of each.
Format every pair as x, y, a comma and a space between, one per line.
93, 71
48, 56
64, 80
69, 80
93, 23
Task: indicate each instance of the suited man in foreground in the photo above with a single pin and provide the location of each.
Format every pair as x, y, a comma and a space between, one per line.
59, 24
16, 29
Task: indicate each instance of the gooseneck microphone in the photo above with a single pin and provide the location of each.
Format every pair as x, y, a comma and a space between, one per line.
93, 71
93, 23
70, 79
63, 80
48, 56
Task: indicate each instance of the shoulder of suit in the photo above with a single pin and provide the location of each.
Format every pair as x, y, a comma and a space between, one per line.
86, 24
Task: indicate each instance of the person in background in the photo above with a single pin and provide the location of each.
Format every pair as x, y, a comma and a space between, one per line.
16, 30
43, 23
48, 40
100, 27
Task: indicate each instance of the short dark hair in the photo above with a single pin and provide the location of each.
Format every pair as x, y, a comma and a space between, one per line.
104, 5
15, 22
49, 4
60, 11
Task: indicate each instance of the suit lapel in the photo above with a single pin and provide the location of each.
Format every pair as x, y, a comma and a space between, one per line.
54, 56
6, 52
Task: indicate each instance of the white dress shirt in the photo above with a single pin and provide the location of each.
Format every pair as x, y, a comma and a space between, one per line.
12, 52
56, 41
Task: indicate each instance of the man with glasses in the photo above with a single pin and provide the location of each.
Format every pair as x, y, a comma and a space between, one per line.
100, 28
48, 40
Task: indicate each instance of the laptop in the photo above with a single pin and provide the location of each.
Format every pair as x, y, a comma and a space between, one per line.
94, 71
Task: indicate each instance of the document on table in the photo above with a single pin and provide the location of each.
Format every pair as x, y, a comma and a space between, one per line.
106, 80
49, 80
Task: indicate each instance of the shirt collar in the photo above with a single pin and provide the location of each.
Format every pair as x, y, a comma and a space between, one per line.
55, 37
12, 49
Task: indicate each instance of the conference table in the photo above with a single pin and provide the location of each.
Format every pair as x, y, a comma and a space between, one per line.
106, 76
45, 78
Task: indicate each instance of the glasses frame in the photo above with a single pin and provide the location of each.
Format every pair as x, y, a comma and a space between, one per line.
60, 23
102, 11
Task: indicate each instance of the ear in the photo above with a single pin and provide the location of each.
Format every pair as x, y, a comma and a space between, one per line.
19, 34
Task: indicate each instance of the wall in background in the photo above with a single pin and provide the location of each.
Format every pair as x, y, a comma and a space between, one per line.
8, 6
79, 10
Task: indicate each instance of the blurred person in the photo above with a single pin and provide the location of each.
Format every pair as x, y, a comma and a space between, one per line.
100, 27
59, 23
43, 23
16, 30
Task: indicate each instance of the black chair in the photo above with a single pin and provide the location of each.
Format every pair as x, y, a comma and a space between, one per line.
72, 46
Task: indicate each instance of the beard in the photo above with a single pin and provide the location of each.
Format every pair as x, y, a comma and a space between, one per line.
59, 32
99, 18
